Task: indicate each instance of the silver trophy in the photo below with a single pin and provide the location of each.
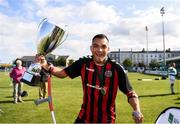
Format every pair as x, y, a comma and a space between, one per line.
49, 37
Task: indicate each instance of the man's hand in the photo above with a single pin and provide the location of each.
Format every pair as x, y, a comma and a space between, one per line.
134, 102
58, 72
138, 117
47, 66
42, 60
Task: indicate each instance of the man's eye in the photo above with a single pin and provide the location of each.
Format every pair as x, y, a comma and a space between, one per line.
95, 46
104, 47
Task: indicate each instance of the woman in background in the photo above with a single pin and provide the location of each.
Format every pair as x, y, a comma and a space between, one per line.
16, 74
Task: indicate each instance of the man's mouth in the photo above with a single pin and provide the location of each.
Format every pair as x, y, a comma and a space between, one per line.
99, 55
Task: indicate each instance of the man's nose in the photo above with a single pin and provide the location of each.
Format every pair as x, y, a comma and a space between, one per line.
99, 49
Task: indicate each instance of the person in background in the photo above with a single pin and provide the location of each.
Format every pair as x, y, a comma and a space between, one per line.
101, 79
40, 71
43, 80
16, 74
172, 76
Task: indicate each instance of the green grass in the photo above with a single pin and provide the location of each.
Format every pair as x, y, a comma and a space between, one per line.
67, 97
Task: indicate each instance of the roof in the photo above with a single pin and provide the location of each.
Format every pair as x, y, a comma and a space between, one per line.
32, 58
174, 58
144, 51
28, 58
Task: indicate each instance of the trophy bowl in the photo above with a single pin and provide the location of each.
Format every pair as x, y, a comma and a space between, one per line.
49, 37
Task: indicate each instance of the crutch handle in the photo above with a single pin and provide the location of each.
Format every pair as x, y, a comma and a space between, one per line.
40, 101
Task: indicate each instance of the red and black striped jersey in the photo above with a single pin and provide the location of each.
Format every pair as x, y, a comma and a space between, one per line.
98, 107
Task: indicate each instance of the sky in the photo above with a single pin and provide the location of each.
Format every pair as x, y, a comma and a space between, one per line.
123, 21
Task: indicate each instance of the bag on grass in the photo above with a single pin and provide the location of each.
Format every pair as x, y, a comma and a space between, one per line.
24, 93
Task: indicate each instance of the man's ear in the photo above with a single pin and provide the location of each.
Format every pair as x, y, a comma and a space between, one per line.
108, 49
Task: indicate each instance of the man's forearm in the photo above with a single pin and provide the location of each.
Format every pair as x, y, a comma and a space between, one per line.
134, 102
58, 72
137, 115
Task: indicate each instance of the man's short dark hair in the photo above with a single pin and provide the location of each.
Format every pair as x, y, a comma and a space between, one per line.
39, 54
100, 36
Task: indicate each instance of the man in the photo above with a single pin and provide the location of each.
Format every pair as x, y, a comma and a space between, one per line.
172, 76
40, 58
43, 80
101, 78
40, 71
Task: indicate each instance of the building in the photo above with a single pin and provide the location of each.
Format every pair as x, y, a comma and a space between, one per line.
28, 60
142, 56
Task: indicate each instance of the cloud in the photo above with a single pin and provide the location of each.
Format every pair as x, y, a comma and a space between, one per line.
17, 37
41, 3
124, 25
4, 3
94, 11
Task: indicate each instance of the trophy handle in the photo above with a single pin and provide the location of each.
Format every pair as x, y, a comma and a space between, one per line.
40, 24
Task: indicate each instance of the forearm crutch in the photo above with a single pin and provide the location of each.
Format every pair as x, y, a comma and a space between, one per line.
49, 100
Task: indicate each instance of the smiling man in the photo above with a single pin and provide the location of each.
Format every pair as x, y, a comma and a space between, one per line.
101, 79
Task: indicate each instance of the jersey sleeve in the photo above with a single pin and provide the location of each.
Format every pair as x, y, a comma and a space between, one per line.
74, 70
124, 84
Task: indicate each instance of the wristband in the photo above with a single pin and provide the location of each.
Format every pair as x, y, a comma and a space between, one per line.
132, 95
136, 114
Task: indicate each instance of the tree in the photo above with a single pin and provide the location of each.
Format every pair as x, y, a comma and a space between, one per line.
141, 64
168, 50
127, 63
70, 61
154, 64
60, 62
143, 50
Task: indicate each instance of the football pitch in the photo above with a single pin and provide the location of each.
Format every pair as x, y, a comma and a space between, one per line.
154, 96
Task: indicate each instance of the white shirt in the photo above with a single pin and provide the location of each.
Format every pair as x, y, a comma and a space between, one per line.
172, 73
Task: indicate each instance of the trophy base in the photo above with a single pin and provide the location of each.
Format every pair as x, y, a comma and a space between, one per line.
31, 79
